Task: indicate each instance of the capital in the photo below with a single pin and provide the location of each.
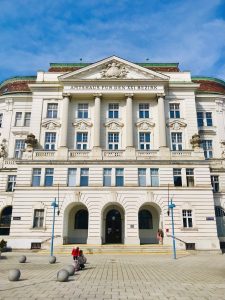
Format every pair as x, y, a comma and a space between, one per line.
66, 95
160, 95
129, 95
97, 95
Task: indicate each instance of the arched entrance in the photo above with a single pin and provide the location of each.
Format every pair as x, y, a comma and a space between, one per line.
75, 224
149, 223
5, 220
113, 224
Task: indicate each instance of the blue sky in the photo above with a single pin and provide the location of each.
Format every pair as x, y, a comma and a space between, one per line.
34, 33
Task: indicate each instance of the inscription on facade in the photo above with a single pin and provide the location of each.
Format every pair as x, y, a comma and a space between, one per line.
115, 87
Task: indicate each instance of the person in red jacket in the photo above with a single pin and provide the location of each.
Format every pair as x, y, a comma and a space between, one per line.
75, 253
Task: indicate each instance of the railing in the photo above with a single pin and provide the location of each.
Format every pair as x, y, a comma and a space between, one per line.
77, 154
43, 154
112, 154
146, 154
181, 153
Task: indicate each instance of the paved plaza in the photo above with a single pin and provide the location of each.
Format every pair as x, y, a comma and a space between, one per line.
199, 276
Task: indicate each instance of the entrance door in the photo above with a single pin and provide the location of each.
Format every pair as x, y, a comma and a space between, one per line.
113, 227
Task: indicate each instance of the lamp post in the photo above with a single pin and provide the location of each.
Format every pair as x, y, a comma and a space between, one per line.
171, 206
54, 205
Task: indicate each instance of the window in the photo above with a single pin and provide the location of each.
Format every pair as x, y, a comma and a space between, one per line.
11, 183
154, 173
52, 110
71, 181
187, 218
81, 219
50, 140
5, 220
18, 119
113, 111
144, 140
1, 118
177, 178
207, 147
49, 172
19, 147
82, 140
38, 218
190, 177
144, 111
84, 174
142, 177
204, 119
174, 111
219, 211
27, 119
36, 177
107, 177
176, 139
113, 140
215, 183
83, 111
145, 219
119, 177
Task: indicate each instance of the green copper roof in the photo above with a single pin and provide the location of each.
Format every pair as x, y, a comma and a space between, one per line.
18, 78
208, 79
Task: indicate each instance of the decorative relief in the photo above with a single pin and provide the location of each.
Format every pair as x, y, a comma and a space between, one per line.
195, 141
50, 124
219, 105
31, 142
114, 70
82, 125
114, 125
223, 149
145, 125
176, 125
3, 151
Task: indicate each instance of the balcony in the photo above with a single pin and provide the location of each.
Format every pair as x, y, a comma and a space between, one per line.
44, 155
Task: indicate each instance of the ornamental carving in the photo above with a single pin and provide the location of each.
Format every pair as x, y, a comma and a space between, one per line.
176, 125
223, 149
82, 125
3, 152
145, 125
114, 70
195, 141
31, 142
51, 125
113, 125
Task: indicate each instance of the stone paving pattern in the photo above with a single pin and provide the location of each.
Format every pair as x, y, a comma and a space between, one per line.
117, 277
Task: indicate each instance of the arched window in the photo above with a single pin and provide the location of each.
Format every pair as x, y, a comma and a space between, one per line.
81, 219
145, 219
219, 211
5, 220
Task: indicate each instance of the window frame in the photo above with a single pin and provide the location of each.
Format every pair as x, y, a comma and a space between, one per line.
71, 177
143, 142
82, 144
36, 177
52, 141
52, 112
107, 178
82, 111
176, 141
174, 110
215, 183
19, 150
26, 122
144, 111
84, 178
18, 121
49, 176
11, 183
1, 120
142, 176
154, 177
187, 218
113, 112
204, 118
119, 177
39, 219
207, 148
190, 177
115, 143
177, 176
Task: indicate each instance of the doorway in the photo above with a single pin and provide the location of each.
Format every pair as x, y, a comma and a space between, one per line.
113, 230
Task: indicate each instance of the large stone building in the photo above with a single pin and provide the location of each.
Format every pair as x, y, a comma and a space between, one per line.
112, 141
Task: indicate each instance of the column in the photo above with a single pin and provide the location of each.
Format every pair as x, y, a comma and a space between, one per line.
129, 121
161, 121
64, 121
97, 120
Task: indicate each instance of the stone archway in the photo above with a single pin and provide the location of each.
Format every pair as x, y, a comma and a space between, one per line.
76, 219
149, 223
5, 220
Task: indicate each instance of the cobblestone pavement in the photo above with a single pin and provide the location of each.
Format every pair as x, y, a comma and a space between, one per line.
117, 277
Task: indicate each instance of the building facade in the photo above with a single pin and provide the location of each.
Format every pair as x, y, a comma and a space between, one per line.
113, 142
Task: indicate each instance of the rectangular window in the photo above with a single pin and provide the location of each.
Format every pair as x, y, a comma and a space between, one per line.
1, 118
215, 183
176, 140
107, 173
36, 177
18, 119
113, 111
19, 147
190, 177
11, 183
154, 173
38, 218
204, 119
187, 218
207, 147
142, 177
27, 119
177, 177
52, 110
119, 177
49, 172
82, 140
71, 181
144, 140
144, 111
50, 140
174, 111
82, 111
113, 140
84, 175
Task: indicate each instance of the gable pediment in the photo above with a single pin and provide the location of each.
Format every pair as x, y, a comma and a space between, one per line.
176, 124
113, 68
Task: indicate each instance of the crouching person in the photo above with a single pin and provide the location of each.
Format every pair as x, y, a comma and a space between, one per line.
81, 259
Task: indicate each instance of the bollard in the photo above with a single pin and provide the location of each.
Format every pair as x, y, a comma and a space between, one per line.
52, 259
62, 275
70, 269
14, 275
22, 259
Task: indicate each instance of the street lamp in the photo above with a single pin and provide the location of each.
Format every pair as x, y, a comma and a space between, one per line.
171, 206
54, 205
